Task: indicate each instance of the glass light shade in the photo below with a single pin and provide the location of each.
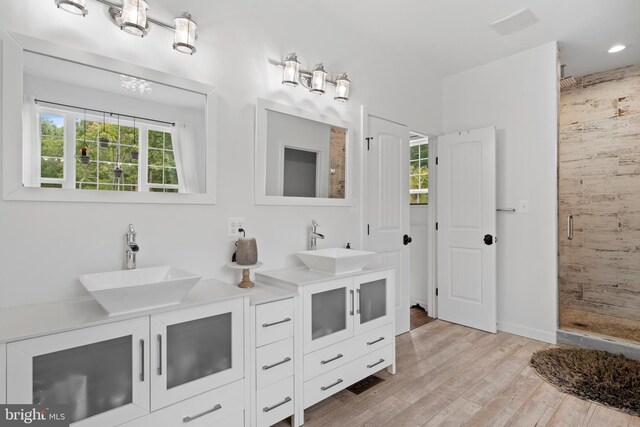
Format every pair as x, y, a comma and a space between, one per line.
291, 72
134, 17
342, 88
184, 35
77, 7
318, 79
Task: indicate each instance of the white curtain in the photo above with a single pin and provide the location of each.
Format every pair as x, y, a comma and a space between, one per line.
184, 149
30, 143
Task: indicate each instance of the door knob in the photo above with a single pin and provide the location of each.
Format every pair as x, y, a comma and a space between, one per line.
406, 239
488, 239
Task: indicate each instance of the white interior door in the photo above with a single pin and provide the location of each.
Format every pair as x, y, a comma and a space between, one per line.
386, 203
466, 168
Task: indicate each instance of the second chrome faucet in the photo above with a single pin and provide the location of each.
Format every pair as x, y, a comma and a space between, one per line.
314, 235
131, 249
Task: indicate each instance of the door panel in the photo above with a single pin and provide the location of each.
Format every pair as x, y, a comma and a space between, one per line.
386, 204
466, 214
374, 300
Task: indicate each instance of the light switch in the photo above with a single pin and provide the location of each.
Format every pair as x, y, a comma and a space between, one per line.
523, 206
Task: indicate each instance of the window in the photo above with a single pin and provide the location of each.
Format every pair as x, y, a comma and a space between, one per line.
162, 175
104, 154
419, 172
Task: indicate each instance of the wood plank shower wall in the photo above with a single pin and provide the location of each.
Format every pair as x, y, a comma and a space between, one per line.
599, 183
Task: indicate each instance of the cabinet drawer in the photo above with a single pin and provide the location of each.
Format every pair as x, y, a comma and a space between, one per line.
329, 358
275, 403
373, 340
274, 362
201, 410
340, 378
274, 321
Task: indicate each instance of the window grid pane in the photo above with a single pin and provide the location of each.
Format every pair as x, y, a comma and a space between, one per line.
419, 174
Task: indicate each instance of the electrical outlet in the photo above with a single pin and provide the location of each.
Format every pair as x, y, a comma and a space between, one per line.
235, 223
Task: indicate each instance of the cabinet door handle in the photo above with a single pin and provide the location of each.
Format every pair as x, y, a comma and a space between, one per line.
159, 354
267, 367
570, 227
375, 341
375, 364
327, 387
270, 408
324, 362
266, 325
141, 360
352, 298
202, 414
358, 299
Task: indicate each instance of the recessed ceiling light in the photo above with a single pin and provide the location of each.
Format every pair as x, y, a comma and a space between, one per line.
617, 48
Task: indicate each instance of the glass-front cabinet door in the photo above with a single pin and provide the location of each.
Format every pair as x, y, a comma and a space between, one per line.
195, 350
100, 372
374, 300
328, 312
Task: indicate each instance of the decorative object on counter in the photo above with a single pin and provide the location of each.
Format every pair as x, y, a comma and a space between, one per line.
348, 246
131, 16
246, 269
314, 80
247, 249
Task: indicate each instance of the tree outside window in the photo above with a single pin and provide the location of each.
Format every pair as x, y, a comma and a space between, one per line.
419, 172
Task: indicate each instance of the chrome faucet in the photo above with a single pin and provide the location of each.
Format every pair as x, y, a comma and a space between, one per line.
132, 249
314, 235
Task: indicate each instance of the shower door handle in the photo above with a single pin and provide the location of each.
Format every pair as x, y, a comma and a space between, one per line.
570, 227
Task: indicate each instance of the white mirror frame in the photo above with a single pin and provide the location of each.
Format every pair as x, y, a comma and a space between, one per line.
13, 47
260, 177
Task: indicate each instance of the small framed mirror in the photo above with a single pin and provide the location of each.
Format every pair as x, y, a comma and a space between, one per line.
83, 127
302, 157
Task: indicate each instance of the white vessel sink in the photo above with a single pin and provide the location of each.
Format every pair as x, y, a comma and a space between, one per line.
127, 291
336, 260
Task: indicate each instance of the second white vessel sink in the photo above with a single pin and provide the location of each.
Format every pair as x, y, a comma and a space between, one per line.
336, 260
127, 291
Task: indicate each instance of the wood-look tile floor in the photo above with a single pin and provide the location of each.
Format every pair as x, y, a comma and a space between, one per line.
450, 375
418, 317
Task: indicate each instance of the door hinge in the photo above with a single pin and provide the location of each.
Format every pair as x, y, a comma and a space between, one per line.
369, 142
436, 291
436, 226
367, 229
436, 161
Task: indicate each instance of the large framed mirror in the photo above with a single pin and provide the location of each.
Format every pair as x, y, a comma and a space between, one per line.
302, 157
77, 126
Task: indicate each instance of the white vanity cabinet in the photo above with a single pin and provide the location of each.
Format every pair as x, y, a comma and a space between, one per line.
347, 329
184, 365
102, 372
338, 309
194, 351
273, 393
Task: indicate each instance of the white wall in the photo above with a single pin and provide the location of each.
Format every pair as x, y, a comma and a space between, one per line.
519, 95
45, 246
419, 250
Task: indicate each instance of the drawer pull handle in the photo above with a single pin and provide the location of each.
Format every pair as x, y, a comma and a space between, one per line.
375, 364
266, 325
375, 341
327, 387
269, 408
285, 360
142, 360
324, 362
202, 414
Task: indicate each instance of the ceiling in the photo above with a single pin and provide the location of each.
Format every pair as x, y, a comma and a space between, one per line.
447, 36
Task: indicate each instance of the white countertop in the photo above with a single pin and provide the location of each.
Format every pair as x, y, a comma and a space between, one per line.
302, 276
29, 321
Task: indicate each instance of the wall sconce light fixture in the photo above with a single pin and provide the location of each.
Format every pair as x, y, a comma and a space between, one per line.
77, 7
315, 80
132, 17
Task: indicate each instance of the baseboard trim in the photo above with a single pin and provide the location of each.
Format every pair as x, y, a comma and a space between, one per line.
583, 340
536, 334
